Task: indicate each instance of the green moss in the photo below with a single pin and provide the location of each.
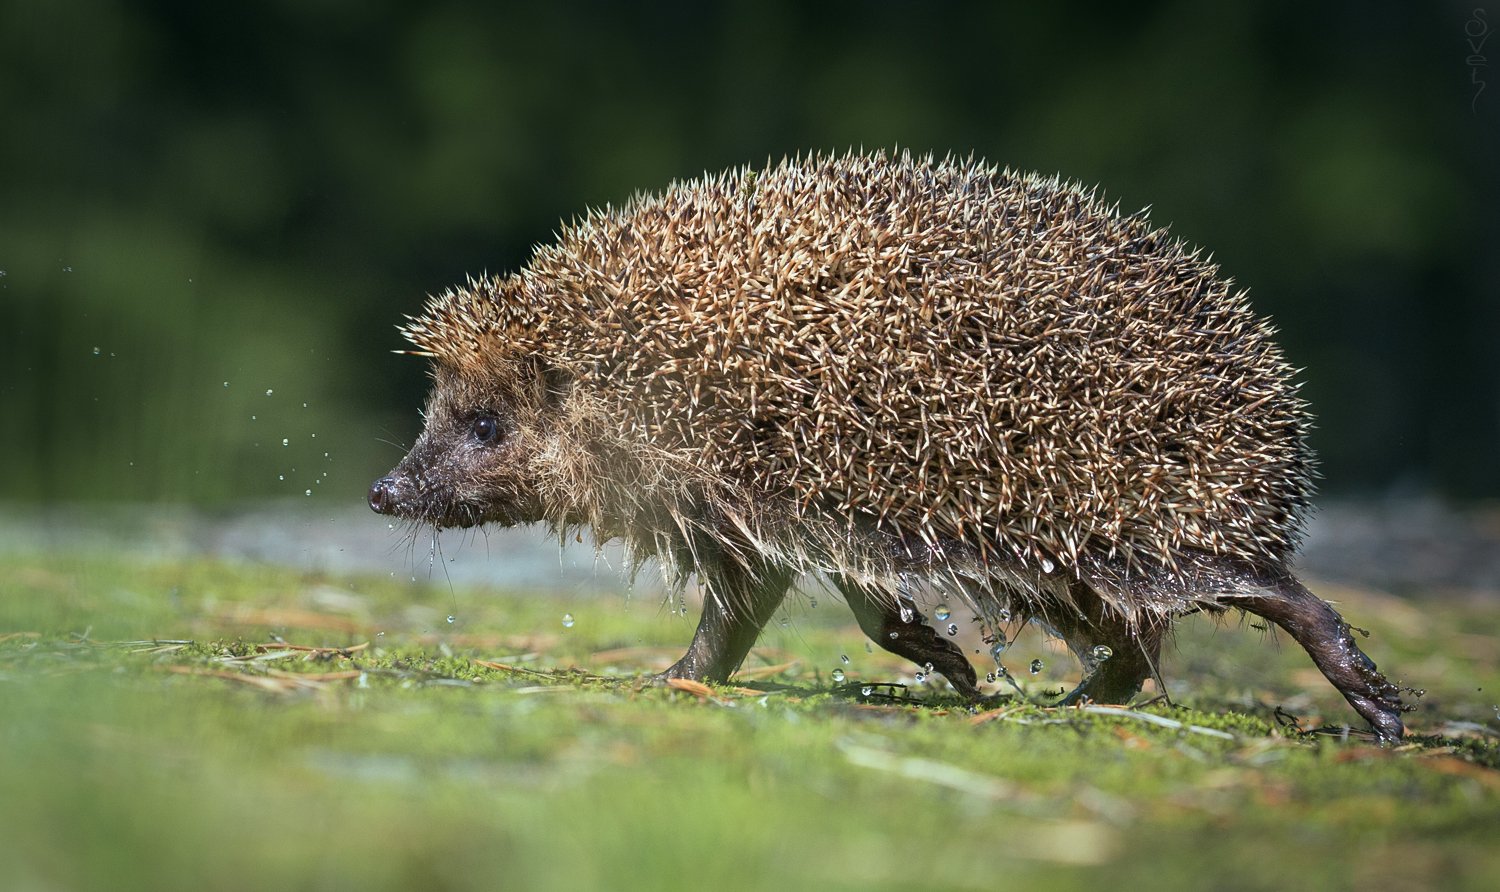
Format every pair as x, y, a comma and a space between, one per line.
240, 727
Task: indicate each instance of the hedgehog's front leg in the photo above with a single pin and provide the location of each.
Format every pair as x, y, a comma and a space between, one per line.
906, 633
736, 606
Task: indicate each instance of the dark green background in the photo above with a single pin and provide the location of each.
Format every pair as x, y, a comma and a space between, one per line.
230, 199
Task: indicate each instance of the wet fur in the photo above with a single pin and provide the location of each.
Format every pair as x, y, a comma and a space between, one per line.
554, 466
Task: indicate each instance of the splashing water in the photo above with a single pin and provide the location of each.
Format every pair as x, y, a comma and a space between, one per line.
998, 648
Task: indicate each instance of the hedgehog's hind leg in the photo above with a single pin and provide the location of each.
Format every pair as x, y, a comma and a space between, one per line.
739, 601
1090, 624
906, 634
1325, 636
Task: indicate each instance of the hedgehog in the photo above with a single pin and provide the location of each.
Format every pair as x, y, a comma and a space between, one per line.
914, 380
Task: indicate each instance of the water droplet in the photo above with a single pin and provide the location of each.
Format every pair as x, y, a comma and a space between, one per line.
452, 619
280, 476
379, 634
866, 691
998, 646
941, 612
567, 620
269, 391
226, 383
1036, 667
1102, 652
96, 351
990, 677
309, 492
895, 635
921, 678
286, 441
304, 405
907, 614
838, 676
845, 658
953, 628
1047, 565
1005, 614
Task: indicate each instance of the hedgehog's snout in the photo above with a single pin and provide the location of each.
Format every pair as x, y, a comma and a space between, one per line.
399, 494
420, 495
383, 498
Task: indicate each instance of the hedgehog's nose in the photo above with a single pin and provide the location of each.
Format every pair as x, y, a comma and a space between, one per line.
383, 496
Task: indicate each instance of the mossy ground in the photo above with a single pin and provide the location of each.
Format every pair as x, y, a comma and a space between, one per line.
200, 725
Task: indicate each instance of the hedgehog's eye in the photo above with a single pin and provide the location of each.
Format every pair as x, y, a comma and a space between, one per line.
486, 429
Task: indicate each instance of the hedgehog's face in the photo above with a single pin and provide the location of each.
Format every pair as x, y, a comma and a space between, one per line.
473, 462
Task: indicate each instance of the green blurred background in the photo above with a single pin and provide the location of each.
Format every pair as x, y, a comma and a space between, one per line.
212, 215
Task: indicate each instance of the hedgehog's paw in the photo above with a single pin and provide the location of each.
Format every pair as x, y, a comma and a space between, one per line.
686, 669
1374, 697
1107, 684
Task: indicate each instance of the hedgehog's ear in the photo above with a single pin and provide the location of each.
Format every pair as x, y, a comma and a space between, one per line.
556, 383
